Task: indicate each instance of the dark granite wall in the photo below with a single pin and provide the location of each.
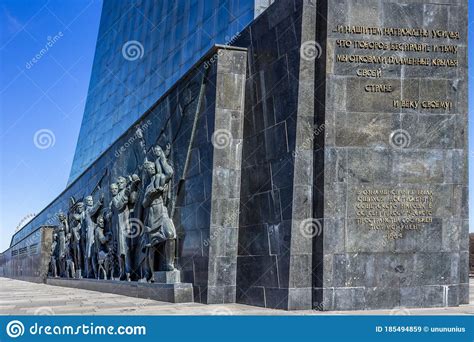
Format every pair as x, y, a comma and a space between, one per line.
209, 205
314, 138
29, 258
274, 263
371, 144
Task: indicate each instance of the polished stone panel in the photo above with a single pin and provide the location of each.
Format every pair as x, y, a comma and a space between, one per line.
143, 48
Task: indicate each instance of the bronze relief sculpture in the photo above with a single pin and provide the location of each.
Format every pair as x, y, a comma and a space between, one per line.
77, 217
90, 211
125, 238
159, 228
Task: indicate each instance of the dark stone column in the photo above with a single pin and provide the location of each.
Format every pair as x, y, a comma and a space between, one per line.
208, 210
226, 168
374, 141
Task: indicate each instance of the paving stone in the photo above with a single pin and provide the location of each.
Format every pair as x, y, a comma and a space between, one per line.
24, 298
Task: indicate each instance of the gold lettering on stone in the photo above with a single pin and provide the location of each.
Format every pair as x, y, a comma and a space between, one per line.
438, 47
393, 211
396, 32
395, 60
378, 88
389, 46
426, 104
371, 73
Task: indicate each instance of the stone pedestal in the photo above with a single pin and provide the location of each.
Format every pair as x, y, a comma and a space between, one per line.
167, 277
172, 293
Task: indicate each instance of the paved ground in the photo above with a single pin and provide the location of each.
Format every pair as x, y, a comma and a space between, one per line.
24, 298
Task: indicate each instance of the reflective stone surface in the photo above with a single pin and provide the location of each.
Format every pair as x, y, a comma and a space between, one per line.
143, 48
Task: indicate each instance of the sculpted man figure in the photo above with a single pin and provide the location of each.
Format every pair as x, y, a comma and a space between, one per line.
53, 264
70, 268
101, 250
119, 212
76, 237
63, 230
90, 212
158, 225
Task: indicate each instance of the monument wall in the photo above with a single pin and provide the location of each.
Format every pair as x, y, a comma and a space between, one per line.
394, 186
319, 163
274, 263
198, 124
354, 183
29, 258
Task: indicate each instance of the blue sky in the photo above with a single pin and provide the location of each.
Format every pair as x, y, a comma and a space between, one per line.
46, 55
46, 93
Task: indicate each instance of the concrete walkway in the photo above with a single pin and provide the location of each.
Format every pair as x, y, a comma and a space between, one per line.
24, 298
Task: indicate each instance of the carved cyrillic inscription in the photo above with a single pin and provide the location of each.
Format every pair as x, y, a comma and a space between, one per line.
376, 48
392, 211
